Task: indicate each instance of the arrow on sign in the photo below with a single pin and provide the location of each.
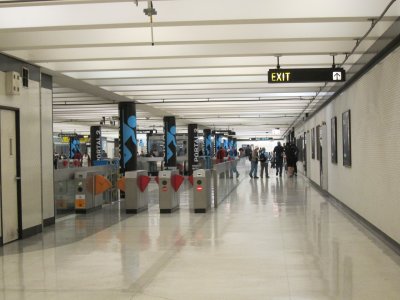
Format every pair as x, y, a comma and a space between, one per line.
337, 76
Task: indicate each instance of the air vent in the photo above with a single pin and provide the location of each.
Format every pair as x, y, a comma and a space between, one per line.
13, 83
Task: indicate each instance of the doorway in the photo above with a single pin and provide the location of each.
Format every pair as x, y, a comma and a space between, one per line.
9, 183
324, 156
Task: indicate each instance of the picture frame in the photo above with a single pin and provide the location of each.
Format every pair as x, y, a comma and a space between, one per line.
334, 157
313, 143
346, 138
318, 141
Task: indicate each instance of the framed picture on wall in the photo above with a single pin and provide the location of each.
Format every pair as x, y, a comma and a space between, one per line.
313, 143
346, 135
318, 137
334, 140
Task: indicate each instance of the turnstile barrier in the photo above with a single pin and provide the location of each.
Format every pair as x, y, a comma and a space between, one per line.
169, 183
202, 190
136, 183
86, 196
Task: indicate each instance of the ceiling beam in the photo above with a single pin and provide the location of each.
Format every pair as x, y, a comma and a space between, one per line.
365, 19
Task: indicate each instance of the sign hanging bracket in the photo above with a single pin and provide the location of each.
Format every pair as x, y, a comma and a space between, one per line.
333, 60
278, 66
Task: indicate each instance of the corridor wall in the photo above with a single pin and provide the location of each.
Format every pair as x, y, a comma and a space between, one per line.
370, 186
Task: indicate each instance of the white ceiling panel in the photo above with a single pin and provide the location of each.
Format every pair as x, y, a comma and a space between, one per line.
205, 62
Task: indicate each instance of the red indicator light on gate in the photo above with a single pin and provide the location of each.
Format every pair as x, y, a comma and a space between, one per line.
199, 188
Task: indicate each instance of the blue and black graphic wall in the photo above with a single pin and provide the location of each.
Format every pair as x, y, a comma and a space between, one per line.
217, 143
170, 142
74, 146
207, 142
225, 144
127, 136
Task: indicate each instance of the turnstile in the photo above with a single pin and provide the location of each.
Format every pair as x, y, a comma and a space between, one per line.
86, 199
169, 183
201, 190
135, 185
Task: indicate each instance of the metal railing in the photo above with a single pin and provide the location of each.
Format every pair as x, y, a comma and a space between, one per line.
225, 179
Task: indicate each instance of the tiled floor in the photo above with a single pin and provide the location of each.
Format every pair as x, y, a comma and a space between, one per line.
274, 238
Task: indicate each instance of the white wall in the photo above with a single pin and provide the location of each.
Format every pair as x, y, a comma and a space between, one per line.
47, 152
371, 186
28, 103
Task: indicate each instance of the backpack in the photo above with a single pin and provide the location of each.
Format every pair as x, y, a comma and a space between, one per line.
250, 156
262, 157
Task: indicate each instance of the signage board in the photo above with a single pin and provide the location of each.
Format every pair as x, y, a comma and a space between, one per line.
306, 75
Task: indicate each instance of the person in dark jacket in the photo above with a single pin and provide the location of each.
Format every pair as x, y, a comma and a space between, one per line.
278, 157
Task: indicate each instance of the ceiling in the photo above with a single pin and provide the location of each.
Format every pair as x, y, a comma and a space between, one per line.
208, 64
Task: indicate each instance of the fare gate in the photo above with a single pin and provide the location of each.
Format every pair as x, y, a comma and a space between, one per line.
202, 190
89, 189
136, 183
169, 183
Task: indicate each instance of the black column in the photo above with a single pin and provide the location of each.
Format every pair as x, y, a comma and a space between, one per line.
193, 151
170, 142
127, 136
95, 143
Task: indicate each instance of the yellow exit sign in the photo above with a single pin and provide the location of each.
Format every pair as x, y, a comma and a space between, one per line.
306, 75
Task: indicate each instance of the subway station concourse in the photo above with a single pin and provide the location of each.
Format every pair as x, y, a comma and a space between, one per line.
185, 149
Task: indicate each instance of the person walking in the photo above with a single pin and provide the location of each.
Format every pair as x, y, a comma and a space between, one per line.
278, 157
232, 157
254, 163
263, 163
290, 158
85, 160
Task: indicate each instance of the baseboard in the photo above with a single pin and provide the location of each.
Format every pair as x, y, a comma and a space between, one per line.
49, 221
136, 210
86, 210
168, 210
379, 234
31, 231
200, 210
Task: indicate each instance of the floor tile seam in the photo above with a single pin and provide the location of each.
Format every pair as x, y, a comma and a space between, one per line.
153, 296
285, 259
150, 274
359, 224
63, 290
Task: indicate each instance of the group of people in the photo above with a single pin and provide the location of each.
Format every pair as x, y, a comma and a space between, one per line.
79, 160
286, 153
230, 154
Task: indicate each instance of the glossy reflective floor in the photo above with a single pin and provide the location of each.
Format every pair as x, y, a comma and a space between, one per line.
275, 238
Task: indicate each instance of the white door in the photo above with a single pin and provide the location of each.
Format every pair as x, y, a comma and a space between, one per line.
8, 166
308, 153
324, 157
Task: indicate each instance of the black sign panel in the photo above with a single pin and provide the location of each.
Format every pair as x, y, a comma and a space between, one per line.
193, 141
95, 143
306, 75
